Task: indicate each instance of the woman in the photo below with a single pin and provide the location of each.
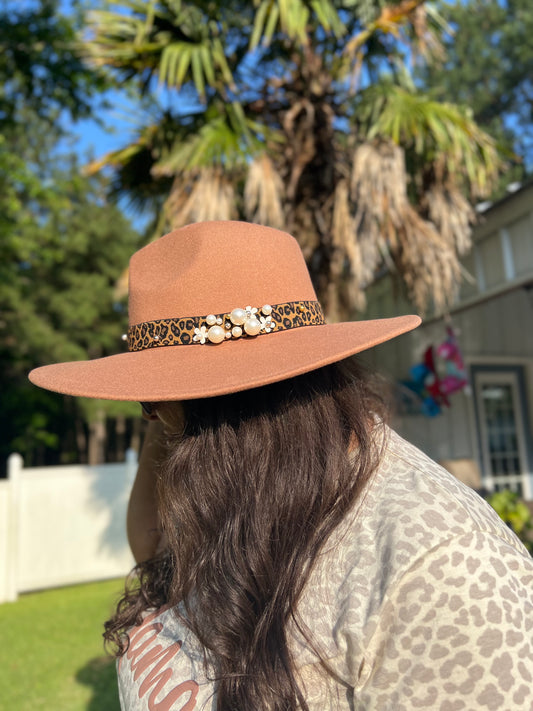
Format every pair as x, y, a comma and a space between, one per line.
294, 552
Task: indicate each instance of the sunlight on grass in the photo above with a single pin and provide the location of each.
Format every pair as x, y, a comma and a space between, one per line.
52, 655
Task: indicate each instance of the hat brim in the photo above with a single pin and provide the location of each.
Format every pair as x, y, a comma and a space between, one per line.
199, 371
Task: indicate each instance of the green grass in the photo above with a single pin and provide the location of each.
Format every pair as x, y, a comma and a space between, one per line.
51, 650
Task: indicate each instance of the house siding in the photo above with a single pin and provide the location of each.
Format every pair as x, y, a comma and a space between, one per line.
493, 319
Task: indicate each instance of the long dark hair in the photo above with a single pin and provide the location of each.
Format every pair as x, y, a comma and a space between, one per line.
248, 495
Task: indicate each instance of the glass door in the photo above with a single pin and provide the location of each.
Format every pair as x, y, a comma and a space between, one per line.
503, 435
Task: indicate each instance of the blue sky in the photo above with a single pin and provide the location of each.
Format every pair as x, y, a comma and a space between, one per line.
109, 129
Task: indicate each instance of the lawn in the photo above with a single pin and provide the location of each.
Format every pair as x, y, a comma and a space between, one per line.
51, 650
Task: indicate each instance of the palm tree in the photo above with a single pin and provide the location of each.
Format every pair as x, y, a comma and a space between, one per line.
302, 115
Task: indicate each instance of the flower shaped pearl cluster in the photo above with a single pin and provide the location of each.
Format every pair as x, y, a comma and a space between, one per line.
240, 322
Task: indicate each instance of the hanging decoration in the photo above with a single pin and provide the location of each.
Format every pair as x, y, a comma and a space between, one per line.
455, 372
441, 373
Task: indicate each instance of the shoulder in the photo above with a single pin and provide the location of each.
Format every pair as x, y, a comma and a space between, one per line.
413, 515
413, 500
454, 629
411, 507
425, 569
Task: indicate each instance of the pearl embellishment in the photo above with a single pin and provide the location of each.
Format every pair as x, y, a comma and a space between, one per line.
238, 316
238, 323
216, 334
252, 326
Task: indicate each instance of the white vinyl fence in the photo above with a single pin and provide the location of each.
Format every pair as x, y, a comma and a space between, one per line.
63, 525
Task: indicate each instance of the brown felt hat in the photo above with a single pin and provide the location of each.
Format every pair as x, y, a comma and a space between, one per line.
214, 308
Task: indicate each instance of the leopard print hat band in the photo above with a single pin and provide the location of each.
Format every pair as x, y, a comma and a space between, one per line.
216, 328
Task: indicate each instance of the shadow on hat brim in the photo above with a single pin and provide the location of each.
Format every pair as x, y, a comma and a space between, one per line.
199, 371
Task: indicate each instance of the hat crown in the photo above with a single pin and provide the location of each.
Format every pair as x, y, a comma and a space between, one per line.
215, 267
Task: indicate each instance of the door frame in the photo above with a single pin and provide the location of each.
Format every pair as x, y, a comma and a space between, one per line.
514, 374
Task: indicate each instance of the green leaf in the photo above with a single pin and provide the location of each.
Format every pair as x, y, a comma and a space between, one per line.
207, 65
271, 25
197, 73
219, 59
259, 23
183, 65
328, 17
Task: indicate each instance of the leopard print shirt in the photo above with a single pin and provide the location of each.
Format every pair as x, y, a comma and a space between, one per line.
421, 599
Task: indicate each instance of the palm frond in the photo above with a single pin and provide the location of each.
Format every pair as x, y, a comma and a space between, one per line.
429, 265
292, 17
152, 137
348, 269
200, 62
142, 43
226, 139
132, 169
390, 230
452, 215
391, 18
378, 189
208, 196
439, 132
263, 193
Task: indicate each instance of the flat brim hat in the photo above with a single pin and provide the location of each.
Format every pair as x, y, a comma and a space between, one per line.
214, 308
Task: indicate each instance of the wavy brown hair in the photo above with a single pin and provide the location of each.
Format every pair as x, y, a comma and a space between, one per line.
249, 494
